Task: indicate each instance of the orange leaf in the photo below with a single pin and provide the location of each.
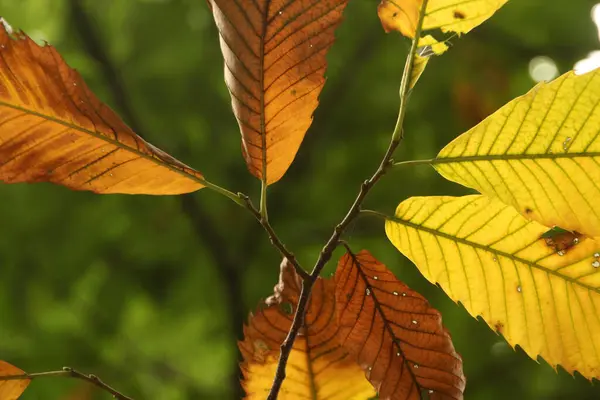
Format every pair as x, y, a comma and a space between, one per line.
11, 390
401, 16
274, 68
318, 368
396, 335
53, 129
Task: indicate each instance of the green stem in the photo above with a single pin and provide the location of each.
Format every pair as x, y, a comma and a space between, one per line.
375, 214
408, 68
263, 200
414, 162
236, 198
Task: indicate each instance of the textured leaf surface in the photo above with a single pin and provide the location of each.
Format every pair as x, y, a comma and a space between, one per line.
539, 153
275, 63
53, 129
502, 267
11, 390
396, 335
318, 368
457, 16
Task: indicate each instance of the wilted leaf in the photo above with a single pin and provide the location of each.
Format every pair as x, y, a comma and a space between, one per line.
11, 390
318, 368
419, 64
396, 335
539, 153
53, 129
455, 16
500, 266
274, 68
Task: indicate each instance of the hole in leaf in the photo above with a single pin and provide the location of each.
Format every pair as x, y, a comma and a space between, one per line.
561, 240
286, 308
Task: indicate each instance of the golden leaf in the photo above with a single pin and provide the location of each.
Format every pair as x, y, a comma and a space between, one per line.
318, 367
500, 266
539, 153
455, 16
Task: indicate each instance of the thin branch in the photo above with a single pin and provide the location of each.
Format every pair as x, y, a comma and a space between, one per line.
275, 241
68, 372
327, 251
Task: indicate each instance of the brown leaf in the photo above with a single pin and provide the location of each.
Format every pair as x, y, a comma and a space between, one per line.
396, 335
274, 68
54, 129
11, 390
318, 368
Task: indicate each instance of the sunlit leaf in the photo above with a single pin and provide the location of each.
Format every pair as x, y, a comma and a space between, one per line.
539, 153
11, 390
499, 265
456, 16
274, 68
396, 335
53, 129
318, 368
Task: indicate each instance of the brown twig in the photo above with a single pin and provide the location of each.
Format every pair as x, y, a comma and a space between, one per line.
327, 251
68, 372
275, 241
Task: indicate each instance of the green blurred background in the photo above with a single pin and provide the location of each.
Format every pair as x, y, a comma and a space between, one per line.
150, 293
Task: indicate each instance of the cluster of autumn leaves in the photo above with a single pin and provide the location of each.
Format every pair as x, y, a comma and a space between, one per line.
524, 254
361, 322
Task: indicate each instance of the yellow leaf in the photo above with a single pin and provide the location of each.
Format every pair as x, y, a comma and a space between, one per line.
500, 266
53, 129
318, 367
11, 390
396, 335
455, 16
539, 153
275, 61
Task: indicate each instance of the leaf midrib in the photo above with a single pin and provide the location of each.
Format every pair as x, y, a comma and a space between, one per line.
106, 139
263, 129
505, 157
491, 250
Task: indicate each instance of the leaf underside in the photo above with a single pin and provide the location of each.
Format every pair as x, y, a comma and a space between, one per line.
500, 266
11, 390
54, 129
318, 368
539, 153
275, 61
397, 337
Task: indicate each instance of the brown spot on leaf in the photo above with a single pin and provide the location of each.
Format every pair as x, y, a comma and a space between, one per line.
459, 14
499, 327
528, 210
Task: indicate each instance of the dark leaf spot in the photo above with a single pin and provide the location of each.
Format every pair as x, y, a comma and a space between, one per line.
459, 14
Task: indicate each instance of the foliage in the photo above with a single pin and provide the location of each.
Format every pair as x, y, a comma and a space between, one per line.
519, 275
